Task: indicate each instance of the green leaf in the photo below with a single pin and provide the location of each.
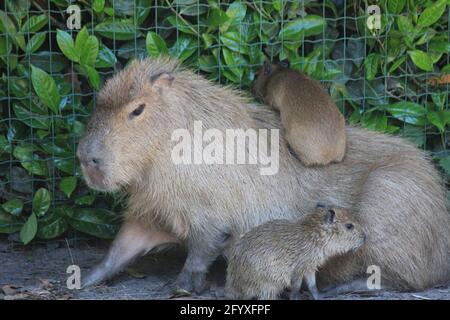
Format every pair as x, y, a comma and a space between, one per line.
439, 118
85, 200
117, 30
408, 112
92, 75
155, 45
421, 60
445, 164
13, 206
277, 4
65, 165
45, 88
371, 64
68, 185
100, 223
35, 42
234, 63
80, 40
65, 43
105, 58
30, 161
53, 224
235, 13
6, 24
216, 18
29, 229
98, 5
41, 202
8, 27
182, 26
183, 48
432, 14
233, 41
395, 6
35, 23
31, 119
303, 27
397, 64
9, 224
414, 134
89, 51
5, 145
48, 61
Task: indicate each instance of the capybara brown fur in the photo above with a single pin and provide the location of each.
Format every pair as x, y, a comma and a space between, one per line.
392, 189
282, 254
315, 128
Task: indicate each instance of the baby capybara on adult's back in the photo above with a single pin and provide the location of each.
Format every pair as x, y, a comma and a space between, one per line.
283, 253
393, 190
315, 128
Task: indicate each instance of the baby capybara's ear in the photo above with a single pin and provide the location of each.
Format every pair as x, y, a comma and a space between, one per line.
161, 81
285, 63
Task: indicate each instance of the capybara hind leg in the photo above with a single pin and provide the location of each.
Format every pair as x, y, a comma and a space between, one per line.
406, 223
132, 241
201, 254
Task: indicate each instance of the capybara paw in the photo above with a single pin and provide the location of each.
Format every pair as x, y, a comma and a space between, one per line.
94, 277
192, 281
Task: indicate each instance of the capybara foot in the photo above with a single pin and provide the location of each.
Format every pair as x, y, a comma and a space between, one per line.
95, 276
295, 295
192, 281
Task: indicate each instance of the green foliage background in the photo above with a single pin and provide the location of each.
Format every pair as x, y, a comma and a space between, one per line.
384, 80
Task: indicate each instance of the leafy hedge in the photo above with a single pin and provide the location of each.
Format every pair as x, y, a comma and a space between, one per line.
392, 81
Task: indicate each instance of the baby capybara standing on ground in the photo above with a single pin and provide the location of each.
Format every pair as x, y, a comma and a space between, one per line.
315, 128
283, 253
391, 187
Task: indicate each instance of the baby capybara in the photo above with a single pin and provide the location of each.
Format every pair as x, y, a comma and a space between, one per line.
283, 253
315, 128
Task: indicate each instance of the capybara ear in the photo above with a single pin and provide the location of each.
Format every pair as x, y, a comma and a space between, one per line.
162, 81
285, 63
330, 216
267, 68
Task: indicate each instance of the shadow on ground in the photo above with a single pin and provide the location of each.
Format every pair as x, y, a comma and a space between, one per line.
39, 272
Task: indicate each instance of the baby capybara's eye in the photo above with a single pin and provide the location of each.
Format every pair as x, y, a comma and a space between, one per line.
349, 226
138, 110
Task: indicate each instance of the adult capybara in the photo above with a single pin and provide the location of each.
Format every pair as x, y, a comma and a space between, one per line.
393, 190
315, 128
281, 253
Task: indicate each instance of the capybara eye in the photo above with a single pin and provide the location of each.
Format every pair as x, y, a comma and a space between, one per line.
349, 226
138, 110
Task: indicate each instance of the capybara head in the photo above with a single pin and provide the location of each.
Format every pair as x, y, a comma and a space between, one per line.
341, 231
263, 75
126, 130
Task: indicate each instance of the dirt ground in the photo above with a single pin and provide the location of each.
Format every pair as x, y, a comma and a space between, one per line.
39, 272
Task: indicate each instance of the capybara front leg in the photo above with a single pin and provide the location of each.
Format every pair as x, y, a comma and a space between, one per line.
200, 256
133, 240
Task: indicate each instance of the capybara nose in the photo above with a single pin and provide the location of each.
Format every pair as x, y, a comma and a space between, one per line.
89, 161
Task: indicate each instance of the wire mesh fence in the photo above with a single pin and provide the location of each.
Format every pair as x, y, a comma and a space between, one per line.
385, 63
